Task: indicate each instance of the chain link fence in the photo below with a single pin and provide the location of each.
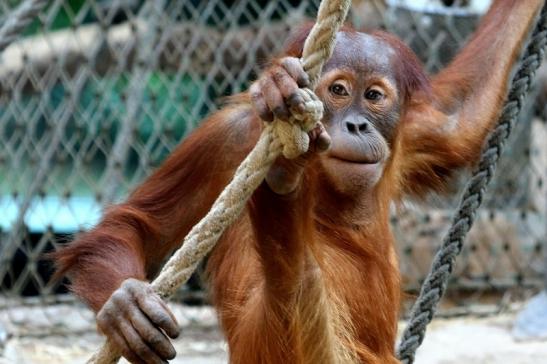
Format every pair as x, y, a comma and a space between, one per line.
94, 95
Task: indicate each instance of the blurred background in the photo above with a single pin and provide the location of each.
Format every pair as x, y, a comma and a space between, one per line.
94, 94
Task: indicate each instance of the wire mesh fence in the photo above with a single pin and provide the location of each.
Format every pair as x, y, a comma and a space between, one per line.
94, 94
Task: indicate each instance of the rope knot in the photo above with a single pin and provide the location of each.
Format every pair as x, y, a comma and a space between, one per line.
293, 135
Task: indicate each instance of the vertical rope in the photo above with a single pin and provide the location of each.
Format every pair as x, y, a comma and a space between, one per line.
277, 137
435, 284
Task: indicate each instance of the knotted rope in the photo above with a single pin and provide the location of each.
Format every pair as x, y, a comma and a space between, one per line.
435, 284
287, 138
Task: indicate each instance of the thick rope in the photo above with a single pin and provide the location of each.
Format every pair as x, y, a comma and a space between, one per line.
290, 139
442, 265
19, 20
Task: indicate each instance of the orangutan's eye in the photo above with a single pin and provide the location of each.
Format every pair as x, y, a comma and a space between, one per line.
373, 95
338, 89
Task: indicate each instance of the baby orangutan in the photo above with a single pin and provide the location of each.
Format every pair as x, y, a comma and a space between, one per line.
309, 273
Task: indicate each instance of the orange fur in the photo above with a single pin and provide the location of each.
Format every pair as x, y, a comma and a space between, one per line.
299, 279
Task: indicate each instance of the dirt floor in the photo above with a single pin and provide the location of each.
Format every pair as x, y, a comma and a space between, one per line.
458, 340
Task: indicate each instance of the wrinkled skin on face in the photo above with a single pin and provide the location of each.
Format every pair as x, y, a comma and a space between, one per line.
362, 109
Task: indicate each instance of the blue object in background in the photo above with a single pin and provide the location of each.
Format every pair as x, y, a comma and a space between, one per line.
531, 323
62, 215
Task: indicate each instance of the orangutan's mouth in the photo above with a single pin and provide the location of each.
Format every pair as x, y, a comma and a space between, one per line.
355, 160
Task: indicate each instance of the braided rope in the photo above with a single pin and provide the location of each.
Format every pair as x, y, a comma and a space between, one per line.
290, 139
19, 20
442, 265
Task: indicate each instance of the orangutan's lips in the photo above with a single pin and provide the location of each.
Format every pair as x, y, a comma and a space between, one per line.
346, 159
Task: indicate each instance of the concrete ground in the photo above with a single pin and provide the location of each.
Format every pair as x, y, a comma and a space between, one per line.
478, 341
457, 340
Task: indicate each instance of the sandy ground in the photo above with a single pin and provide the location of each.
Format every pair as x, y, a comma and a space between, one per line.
458, 340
